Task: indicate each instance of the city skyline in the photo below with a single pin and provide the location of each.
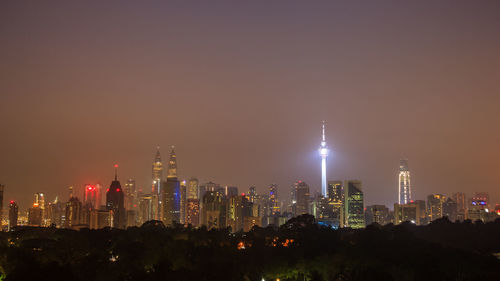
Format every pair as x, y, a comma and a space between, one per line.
241, 97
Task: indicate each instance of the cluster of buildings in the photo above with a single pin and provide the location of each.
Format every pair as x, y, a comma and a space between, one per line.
187, 202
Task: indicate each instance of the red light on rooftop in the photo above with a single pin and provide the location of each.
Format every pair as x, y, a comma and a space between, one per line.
107, 190
11, 201
117, 189
116, 165
243, 194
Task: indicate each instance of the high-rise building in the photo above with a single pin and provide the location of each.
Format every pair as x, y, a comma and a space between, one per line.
193, 212
73, 212
157, 174
273, 199
13, 214
241, 214
57, 213
450, 209
354, 213
323, 151
435, 206
115, 202
411, 212
336, 201
422, 206
478, 208
252, 193
460, 199
300, 199
144, 208
230, 191
40, 201
483, 198
35, 215
377, 214
183, 189
192, 188
404, 190
90, 196
171, 193
264, 208
213, 210
130, 194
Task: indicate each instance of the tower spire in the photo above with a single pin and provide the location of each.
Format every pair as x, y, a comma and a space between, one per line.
172, 164
323, 127
157, 156
116, 172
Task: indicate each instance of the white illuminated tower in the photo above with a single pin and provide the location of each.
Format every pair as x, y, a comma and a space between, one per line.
323, 151
404, 190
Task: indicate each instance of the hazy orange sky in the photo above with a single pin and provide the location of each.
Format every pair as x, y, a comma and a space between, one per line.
241, 89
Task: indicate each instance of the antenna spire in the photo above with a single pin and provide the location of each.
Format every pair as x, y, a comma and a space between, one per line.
323, 127
116, 172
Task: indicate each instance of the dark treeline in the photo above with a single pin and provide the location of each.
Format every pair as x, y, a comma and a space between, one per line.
298, 250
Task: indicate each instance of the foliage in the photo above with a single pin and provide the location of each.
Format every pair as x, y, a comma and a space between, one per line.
298, 250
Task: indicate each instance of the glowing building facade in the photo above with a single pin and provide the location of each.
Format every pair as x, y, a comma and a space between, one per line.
171, 193
323, 151
192, 189
354, 204
157, 173
404, 190
435, 206
273, 199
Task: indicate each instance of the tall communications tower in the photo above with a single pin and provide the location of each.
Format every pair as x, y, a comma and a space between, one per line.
323, 151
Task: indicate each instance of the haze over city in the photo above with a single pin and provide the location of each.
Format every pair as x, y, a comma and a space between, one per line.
241, 90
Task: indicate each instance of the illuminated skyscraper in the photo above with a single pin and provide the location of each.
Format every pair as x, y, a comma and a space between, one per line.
157, 171
130, 195
13, 214
35, 215
323, 151
336, 202
183, 190
300, 199
252, 193
171, 193
192, 188
404, 195
354, 204
273, 199
90, 196
145, 205
212, 211
115, 202
157, 174
193, 212
435, 206
73, 212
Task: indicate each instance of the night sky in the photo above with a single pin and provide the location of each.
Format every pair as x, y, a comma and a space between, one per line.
241, 89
